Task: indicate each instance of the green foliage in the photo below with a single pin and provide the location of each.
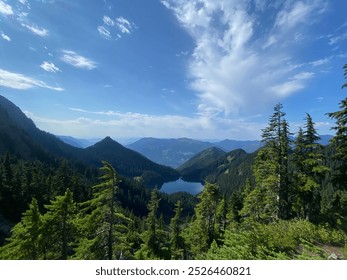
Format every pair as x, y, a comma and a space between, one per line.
154, 237
271, 193
296, 239
201, 233
308, 172
58, 225
177, 244
26, 240
102, 224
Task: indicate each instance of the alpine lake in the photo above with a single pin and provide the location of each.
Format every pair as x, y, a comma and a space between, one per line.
182, 186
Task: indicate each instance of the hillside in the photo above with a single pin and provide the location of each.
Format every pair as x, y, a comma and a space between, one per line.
20, 136
129, 163
229, 171
199, 162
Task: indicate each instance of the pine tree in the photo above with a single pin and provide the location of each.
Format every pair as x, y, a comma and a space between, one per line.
154, 237
272, 190
103, 223
58, 225
309, 171
177, 245
339, 143
25, 242
201, 232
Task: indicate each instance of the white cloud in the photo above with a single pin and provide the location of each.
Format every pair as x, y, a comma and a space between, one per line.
22, 82
78, 61
49, 67
5, 9
245, 60
5, 37
104, 32
108, 21
333, 40
298, 13
42, 32
319, 62
124, 25
294, 84
120, 25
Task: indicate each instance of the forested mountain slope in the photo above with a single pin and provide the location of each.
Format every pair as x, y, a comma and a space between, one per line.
21, 137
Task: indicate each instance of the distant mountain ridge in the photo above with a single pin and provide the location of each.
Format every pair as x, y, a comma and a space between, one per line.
20, 136
78, 142
170, 152
176, 151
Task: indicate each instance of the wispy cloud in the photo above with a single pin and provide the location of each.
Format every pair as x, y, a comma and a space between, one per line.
245, 60
104, 32
108, 21
124, 25
115, 28
5, 37
49, 67
42, 32
78, 61
5, 9
22, 82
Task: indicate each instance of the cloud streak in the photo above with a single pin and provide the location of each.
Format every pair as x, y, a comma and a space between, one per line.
241, 62
42, 32
5, 37
22, 82
5, 9
78, 61
49, 67
117, 27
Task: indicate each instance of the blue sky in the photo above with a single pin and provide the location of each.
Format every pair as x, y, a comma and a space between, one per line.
203, 69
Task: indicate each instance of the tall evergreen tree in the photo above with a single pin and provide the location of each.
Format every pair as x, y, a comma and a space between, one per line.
103, 223
154, 237
201, 233
26, 240
271, 193
309, 171
177, 245
339, 143
58, 225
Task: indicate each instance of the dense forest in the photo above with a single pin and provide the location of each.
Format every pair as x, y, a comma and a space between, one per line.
290, 203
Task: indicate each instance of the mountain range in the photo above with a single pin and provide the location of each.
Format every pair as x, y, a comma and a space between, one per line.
175, 152
20, 136
150, 160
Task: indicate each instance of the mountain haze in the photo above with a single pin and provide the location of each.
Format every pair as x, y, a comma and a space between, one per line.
170, 152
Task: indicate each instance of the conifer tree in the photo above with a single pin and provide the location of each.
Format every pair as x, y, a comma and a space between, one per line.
154, 237
269, 200
103, 223
201, 233
58, 225
25, 242
177, 244
339, 142
309, 171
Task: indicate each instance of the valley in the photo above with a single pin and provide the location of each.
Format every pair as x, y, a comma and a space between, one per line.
180, 182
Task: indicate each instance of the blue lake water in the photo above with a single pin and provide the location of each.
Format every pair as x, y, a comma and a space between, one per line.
182, 186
